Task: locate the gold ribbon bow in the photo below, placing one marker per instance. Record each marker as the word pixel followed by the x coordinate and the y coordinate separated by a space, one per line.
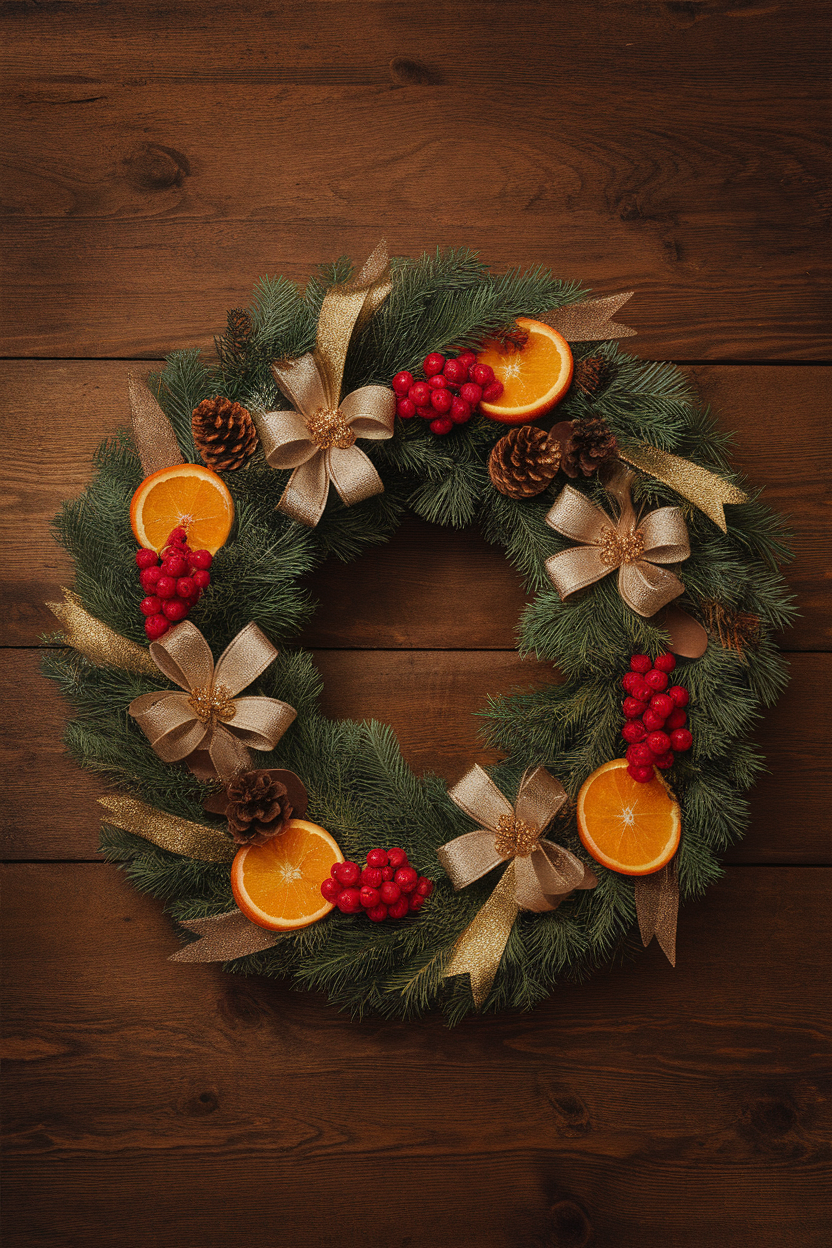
pixel 634 546
pixel 317 439
pixel 539 876
pixel 209 715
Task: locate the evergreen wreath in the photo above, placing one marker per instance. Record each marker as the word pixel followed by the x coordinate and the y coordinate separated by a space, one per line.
pixel 356 778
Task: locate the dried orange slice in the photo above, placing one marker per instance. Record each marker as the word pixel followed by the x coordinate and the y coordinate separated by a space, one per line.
pixel 535 377
pixel 629 827
pixel 278 885
pixel 185 496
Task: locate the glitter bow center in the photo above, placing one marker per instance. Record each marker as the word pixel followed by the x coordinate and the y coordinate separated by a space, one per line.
pixel 618 548
pixel 328 428
pixel 212 704
pixel 514 837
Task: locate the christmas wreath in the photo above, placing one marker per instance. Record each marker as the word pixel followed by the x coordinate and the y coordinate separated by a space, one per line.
pixel 288 844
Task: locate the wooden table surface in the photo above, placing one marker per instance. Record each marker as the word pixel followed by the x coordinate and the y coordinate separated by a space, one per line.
pixel 158 160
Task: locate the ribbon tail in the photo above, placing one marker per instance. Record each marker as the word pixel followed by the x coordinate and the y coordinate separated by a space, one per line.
pixel 304 498
pixel 343 307
pixel 646 588
pixel 98 642
pixel 706 490
pixel 228 754
pixel 178 836
pixel 589 321
pixel 353 476
pixel 223 938
pixel 657 908
pixel 155 440
pixel 479 949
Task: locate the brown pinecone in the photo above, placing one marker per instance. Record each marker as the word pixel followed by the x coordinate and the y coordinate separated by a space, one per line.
pixel 224 433
pixel 592 375
pixel 590 443
pixel 258 807
pixel 524 462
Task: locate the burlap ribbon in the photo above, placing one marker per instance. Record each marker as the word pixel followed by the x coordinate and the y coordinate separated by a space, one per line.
pixel 177 835
pixel 224 937
pixel 209 716
pixel 97 641
pixel 153 433
pixel 657 908
pixel 635 547
pixel 704 489
pixel 591 319
pixel 539 876
pixel 317 439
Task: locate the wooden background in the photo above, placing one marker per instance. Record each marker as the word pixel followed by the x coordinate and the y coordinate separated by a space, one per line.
pixel 158 159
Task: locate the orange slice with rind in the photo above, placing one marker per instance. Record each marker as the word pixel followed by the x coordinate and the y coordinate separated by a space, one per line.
pixel 278 885
pixel 535 376
pixel 184 496
pixel 629 827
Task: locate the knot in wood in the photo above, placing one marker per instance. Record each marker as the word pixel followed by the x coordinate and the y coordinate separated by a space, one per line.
pixel 514 837
pixel 212 704
pixel 328 428
pixel 618 548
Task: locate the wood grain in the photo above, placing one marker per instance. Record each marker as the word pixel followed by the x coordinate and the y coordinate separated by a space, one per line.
pixel 428 587
pixel 149 1103
pixel 430 698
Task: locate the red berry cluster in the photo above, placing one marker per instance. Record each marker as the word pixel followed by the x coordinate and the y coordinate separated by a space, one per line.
pixel 387 888
pixel 173 584
pixel 450 393
pixel 655 729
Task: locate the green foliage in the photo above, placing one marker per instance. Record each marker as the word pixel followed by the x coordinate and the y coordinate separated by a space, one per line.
pixel 360 788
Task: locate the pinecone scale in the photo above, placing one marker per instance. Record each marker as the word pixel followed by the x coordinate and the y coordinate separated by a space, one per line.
pixel 587 446
pixel 524 462
pixel 224 433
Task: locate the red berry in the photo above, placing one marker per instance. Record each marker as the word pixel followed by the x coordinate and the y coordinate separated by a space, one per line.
pixel 396 857
pixel 419 393
pixel 175 609
pixel 425 886
pixel 398 909
pixel 330 889
pixel 681 740
pixel 652 720
pixel 402 382
pixel 371 877
pixel 482 374
pixel 156 626
pixel 492 391
pixel 676 719
pixel 427 413
pixel 640 663
pixel 441 426
pixel 174 566
pixel 349 873
pixel 405 408
pixel 641 690
pixel 151 605
pixel 416 901
pixel 165 586
pixel 377 858
pixel 659 742
pixel 456 372
pixel 633 709
pixel 433 363
pixel 460 412
pixel 633 731
pixel 390 893
pixel 178 535
pixel 201 559
pixel 378 914
pixel 665 663
pixel 471 393
pixel 438 382
pixel 441 401
pixel 185 587
pixel 387 873
pixel 349 900
pixel 201 579
pixel 657 680
pixel 642 774
pixel 630 682
pixel 468 358
pixel 146 558
pixel 333 870
pixel 149 577
pixel 664 761
pixel 680 696
pixel 369 897
pixel 661 704
pixel 406 878
pixel 640 755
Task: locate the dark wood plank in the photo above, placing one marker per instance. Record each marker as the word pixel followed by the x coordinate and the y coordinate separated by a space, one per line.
pixel 430 699
pixel 428 587
pixel 150 1103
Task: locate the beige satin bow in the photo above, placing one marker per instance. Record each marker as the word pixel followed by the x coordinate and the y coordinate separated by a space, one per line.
pixel 539 876
pixel 633 546
pixel 317 439
pixel 209 715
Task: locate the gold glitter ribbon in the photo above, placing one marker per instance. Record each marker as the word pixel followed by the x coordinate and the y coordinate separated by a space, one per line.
pixel 704 489
pixel 317 439
pixel 634 547
pixel 155 440
pixel 180 836
pixel 590 321
pixel 539 876
pixel 224 937
pixel 657 908
pixel 209 715
pixel 98 642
